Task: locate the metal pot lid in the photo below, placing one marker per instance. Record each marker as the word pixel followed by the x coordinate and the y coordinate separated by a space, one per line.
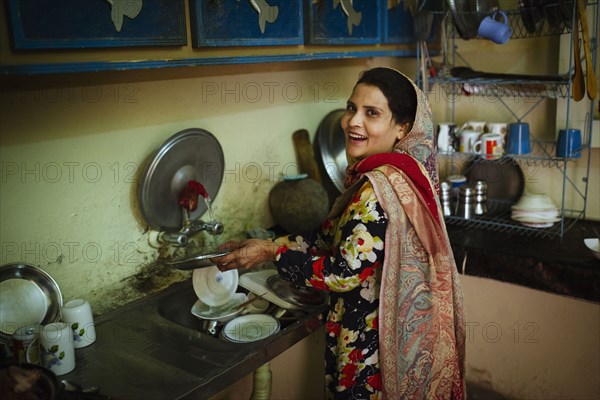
pixel 303 297
pixel 192 154
pixel 28 295
pixel 332 145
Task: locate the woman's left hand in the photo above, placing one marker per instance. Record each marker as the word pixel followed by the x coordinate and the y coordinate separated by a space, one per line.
pixel 246 254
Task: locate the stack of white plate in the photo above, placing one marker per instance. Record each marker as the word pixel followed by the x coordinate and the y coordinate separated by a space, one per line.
pixel 535 211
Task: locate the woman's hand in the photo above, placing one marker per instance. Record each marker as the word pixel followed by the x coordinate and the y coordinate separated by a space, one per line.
pixel 246 254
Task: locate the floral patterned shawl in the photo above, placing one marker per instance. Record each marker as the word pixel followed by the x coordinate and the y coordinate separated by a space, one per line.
pixel 421 319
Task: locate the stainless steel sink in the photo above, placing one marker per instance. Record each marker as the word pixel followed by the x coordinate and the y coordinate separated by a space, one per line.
pixel 175 308
pixel 162 350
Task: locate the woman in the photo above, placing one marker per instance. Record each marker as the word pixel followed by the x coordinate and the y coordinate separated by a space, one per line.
pixel 395 327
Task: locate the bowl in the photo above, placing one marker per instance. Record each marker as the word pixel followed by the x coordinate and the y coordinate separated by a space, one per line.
pixel 537 202
pixel 594 245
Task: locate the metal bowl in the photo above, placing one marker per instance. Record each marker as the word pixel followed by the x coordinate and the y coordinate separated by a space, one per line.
pixel 28 295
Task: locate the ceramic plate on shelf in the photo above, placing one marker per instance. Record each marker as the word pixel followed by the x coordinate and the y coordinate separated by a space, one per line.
pixel 214 287
pixel 250 328
pixel 537 224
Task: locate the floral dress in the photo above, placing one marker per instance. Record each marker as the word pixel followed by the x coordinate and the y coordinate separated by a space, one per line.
pixel 345 257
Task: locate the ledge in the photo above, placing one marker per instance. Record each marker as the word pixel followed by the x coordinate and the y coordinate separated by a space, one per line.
pixel 96 66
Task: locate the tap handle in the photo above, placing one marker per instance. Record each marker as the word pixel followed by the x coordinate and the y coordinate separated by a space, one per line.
pixel 216 228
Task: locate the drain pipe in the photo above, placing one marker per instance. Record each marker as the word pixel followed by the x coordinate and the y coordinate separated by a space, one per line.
pixel 261 389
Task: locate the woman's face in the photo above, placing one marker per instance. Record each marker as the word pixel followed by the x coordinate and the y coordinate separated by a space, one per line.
pixel 368 124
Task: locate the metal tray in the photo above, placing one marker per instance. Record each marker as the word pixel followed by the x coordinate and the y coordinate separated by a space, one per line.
pixel 28 295
pixel 332 147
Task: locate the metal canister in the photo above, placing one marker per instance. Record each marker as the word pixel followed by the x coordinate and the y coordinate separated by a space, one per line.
pixel 466 202
pixel 456 182
pixel 446 198
pixel 480 198
pixel 26 344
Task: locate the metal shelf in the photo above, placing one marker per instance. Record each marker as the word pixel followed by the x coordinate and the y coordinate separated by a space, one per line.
pixel 498 219
pixel 502 88
pixel 543 153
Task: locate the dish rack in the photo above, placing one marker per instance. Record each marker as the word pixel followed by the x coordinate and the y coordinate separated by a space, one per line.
pixel 535 91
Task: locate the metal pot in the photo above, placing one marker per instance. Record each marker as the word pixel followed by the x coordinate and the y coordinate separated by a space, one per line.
pixel 302 297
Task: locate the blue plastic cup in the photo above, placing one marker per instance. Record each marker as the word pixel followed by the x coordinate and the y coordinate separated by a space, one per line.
pixel 568 144
pixel 518 141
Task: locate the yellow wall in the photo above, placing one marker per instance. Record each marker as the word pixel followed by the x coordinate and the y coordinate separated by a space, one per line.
pixel 72 146
pixel 528 344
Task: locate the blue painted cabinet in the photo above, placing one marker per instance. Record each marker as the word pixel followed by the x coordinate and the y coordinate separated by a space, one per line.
pixel 65 24
pixel 341 22
pixel 246 22
pixel 398 24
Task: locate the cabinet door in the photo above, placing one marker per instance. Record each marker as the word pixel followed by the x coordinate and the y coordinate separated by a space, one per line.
pixel 344 21
pixel 56 24
pixel 246 22
pixel 398 24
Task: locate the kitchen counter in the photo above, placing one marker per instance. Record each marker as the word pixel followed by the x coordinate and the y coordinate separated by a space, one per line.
pixel 154 348
pixel 565 267
pixel 140 353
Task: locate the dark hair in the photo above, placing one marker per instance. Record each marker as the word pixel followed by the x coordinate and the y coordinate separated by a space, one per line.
pixel 399 91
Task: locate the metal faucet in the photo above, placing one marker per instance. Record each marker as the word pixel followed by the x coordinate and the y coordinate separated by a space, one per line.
pixel 190 227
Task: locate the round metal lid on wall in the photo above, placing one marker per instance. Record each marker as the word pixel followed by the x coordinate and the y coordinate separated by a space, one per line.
pixel 192 154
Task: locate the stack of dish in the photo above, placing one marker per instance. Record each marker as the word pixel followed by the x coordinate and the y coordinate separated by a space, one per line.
pixel 217 297
pixel 535 211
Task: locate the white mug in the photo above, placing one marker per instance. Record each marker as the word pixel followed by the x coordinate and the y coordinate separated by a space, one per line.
pixel 56 345
pixel 446 136
pixel 489 146
pixel 78 314
pixel 500 128
pixel 478 126
pixel 467 141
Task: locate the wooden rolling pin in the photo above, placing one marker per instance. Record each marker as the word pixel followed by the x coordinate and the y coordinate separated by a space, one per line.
pixel 305 155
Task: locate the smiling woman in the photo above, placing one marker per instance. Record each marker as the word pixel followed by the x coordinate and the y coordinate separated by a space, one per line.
pixel 382 254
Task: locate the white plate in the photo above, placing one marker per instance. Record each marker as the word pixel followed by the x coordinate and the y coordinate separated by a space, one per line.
pixel 533 220
pixel 221 313
pixel 250 328
pixel 537 224
pixel 214 287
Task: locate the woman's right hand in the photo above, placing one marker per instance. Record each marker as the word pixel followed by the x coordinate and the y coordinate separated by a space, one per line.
pixel 246 254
